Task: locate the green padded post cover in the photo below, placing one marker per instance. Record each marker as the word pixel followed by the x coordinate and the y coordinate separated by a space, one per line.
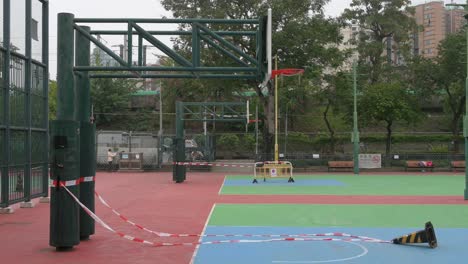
pixel 87 169
pixel 65 158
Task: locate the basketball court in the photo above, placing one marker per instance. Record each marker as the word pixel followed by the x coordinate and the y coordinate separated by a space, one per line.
pixel 229 206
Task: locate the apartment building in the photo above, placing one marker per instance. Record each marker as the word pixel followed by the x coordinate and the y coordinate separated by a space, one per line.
pixel 437 22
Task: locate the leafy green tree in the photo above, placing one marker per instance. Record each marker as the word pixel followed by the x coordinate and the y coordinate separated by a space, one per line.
pixel 52 99
pixel 445 77
pixel 111 97
pixel 388 103
pixel 337 99
pixel 300 32
pixel 379 21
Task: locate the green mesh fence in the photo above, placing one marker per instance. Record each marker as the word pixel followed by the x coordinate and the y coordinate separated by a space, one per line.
pixel 38 100
pixel 23 133
pixel 17 97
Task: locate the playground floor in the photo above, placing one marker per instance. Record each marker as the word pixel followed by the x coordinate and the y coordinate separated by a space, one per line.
pixel 377 205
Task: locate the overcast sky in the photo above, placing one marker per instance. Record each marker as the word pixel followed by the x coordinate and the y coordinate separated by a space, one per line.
pixel 137 9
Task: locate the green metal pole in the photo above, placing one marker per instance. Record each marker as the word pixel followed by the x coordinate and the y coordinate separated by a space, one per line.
pixel 87 135
pixel 45 79
pixel 195 45
pixel 465 123
pixel 65 154
pixel 140 51
pixel 276 111
pixel 28 77
pixel 355 124
pixel 6 104
pixel 179 172
pixel 130 44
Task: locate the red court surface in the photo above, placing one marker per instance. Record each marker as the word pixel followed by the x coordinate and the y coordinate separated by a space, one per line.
pixel 154 201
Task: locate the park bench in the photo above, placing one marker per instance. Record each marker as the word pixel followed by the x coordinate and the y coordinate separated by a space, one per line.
pixel 417 164
pixel 457 164
pixel 340 165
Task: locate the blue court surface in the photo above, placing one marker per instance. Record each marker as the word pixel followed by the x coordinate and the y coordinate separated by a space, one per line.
pixel 283 182
pixel 453 247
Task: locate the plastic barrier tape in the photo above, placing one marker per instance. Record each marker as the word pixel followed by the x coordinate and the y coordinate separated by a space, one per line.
pixel 163 234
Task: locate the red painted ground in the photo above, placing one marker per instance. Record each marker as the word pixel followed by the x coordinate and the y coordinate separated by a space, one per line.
pixel 154 201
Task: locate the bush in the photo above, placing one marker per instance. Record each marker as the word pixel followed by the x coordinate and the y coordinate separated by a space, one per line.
pixel 229 142
pixel 248 142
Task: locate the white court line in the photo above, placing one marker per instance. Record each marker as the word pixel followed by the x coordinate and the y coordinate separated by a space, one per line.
pixel 222 185
pixel 364 252
pixel 203 232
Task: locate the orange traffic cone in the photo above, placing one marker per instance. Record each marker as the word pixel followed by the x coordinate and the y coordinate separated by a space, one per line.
pixel 424 236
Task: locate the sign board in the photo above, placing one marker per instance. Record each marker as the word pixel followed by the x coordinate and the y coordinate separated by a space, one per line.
pixel 273 172
pixel 370 161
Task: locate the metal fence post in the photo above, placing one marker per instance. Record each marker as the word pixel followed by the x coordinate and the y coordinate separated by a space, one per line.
pixel 27 88
pixel 6 98
pixel 45 61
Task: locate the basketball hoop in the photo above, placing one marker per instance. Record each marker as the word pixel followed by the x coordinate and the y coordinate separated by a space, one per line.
pixel 286 72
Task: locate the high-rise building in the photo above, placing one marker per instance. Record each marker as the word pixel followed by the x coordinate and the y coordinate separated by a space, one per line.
pixel 437 22
pixel 455 19
pixel 432 17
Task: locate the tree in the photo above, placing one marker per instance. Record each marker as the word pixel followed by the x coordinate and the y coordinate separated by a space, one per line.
pixel 52 99
pixel 111 97
pixel 445 78
pixel 388 103
pixel 380 21
pixel 337 98
pixel 300 31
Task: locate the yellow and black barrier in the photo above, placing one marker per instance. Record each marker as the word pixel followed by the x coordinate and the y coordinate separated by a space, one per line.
pixel 273 169
pixel 424 236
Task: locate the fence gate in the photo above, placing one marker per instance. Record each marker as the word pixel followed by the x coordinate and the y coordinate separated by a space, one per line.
pixel 23 101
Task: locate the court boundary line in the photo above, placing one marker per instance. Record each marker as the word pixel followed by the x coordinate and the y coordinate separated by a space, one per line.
pixel 192 260
pixel 222 185
pixel 364 252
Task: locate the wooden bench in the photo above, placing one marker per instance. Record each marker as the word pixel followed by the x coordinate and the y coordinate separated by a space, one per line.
pixel 457 164
pixel 340 165
pixel 416 164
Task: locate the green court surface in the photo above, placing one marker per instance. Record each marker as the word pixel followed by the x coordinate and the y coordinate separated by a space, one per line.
pixel 404 185
pixel 293 215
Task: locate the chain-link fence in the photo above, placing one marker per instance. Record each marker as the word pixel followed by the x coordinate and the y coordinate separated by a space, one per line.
pixel 126 142
pixel 304 151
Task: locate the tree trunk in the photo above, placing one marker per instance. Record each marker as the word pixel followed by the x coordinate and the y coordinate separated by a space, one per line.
pixel 268 102
pixel 457 114
pixel 330 128
pixel 388 146
pixel 455 133
pixel 269 127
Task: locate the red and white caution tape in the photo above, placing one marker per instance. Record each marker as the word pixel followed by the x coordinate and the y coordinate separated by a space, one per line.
pixel 55 183
pixel 235 165
pixel 162 234
pixel 164 244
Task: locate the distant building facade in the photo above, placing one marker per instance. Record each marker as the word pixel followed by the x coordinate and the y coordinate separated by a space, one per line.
pixel 437 21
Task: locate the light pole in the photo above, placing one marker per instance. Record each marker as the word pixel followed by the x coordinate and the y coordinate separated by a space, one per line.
pixel 276 109
pixel 355 137
pixel 465 119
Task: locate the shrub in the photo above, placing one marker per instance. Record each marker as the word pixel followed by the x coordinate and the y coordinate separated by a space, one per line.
pixel 229 142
